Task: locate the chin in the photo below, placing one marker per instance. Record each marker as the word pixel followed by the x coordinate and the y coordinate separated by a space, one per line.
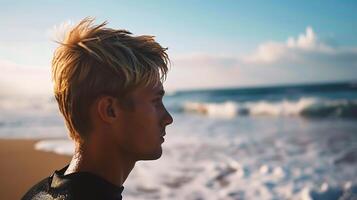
pixel 152 156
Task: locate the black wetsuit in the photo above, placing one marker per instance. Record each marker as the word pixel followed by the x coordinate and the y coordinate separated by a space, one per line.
pixel 75 186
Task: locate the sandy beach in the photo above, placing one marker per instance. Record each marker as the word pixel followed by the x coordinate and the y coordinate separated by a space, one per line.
pixel 22 166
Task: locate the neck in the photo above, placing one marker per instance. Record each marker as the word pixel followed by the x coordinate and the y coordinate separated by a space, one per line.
pixel 103 161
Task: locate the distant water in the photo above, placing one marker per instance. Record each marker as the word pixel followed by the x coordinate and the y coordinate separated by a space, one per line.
pixel 286 142
pixel 338 100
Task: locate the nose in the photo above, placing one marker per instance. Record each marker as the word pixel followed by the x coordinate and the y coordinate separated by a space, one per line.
pixel 167 118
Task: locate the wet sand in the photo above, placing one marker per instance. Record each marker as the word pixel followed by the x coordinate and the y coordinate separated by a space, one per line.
pixel 22 166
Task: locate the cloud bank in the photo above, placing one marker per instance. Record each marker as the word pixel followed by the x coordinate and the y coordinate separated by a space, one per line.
pixel 300 59
pixel 306 47
pixel 19 80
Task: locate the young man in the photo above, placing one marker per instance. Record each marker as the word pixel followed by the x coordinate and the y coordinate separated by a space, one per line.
pixel 108 85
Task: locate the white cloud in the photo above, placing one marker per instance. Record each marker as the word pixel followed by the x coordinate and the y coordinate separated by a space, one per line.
pixel 267 53
pixel 202 71
pixel 24 80
pixel 306 47
pixel 304 58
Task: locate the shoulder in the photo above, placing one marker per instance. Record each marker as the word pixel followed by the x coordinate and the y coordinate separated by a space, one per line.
pixel 42 190
pixel 81 185
pixel 38 188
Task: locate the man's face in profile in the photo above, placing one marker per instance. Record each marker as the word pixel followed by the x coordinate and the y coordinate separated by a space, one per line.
pixel 144 125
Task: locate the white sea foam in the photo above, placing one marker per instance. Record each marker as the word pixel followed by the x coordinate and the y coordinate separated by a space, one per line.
pixel 226 109
pixel 59 146
pixel 231 109
pixel 214 158
pixel 199 164
pixel 280 108
pixel 303 106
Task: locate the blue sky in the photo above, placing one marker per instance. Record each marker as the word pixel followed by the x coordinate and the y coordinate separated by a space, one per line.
pixel 229 43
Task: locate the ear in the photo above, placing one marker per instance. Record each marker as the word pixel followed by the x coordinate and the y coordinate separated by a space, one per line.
pixel 107 108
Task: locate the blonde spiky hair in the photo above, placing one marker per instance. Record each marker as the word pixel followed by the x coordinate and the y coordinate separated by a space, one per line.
pixel 93 60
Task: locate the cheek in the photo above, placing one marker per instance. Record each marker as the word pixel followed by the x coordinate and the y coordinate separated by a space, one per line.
pixel 142 136
pixel 142 124
pixel 147 115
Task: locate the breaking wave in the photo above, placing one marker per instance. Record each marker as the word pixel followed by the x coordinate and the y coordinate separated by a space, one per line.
pixel 307 107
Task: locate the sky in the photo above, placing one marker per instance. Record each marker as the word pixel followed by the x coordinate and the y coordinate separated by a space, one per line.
pixel 212 44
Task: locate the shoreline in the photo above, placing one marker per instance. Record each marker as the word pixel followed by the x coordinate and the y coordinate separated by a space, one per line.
pixel 22 166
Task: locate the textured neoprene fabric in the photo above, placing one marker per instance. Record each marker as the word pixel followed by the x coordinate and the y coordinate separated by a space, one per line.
pixel 75 186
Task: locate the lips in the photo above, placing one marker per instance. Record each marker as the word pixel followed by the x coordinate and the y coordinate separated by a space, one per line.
pixel 163 133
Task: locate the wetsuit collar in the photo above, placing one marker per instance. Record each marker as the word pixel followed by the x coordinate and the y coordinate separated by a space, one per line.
pixel 58 180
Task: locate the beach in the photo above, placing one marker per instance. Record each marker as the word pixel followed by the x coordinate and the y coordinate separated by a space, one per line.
pixel 22 166
pixel 286 142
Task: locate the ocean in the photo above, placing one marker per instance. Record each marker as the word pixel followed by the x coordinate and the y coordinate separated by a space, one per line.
pixel 281 142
